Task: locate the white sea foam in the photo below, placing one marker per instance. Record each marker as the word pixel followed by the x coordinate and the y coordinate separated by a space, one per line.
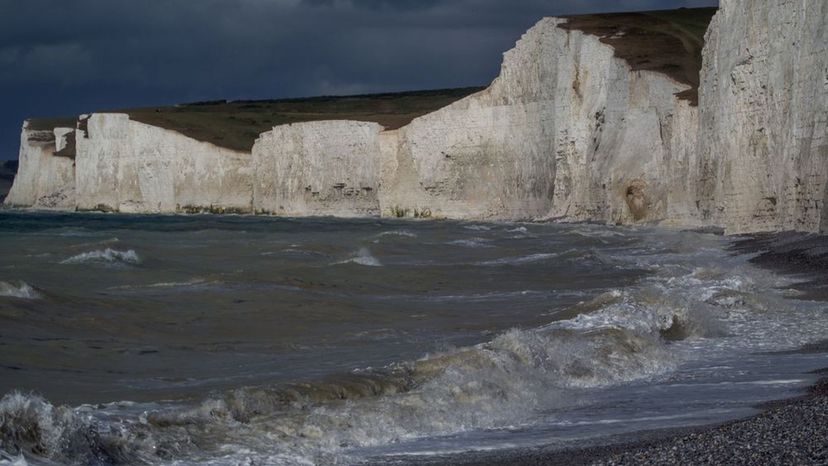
pixel 403 233
pixel 11 460
pixel 477 227
pixel 471 243
pixel 194 281
pixel 19 290
pixel 105 256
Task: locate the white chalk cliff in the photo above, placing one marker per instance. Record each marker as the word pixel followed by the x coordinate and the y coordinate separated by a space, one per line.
pixel 567 132
pixel 126 166
pixel 318 168
pixel 44 179
pixel 763 129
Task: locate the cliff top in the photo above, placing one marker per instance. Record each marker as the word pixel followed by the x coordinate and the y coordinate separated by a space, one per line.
pixel 49 124
pixel 236 124
pixel 668 42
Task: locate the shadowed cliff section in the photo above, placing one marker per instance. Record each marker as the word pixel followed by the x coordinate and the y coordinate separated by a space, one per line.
pixel 49 124
pixel 668 42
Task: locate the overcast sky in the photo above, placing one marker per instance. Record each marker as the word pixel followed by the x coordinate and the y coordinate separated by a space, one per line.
pixel 65 57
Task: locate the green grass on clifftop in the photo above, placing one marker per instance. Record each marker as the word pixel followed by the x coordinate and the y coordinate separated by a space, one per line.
pixel 668 42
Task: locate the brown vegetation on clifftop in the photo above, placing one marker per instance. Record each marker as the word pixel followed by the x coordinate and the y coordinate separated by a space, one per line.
pixel 668 42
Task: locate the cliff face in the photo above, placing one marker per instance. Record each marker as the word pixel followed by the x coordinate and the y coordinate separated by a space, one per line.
pixel 488 155
pixel 579 126
pixel 763 135
pixel 44 180
pixel 126 166
pixel 318 168
pixel 567 131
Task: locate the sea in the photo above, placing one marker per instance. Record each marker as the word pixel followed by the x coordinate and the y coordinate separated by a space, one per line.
pixel 248 340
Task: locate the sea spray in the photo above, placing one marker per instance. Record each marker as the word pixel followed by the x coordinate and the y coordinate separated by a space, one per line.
pixel 363 257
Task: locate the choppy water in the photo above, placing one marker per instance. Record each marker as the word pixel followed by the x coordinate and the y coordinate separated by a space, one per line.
pixel 243 340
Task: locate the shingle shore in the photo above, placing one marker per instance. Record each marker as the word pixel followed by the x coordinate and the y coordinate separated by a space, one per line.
pixel 793 432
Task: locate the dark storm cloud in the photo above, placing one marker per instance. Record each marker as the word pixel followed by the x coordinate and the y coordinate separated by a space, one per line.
pixel 378 4
pixel 61 57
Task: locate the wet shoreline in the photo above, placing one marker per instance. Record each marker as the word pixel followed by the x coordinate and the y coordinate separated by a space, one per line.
pixel 792 431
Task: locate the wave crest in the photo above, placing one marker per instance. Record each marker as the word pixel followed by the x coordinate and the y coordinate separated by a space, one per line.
pixel 363 257
pixel 487 385
pixel 20 290
pixel 105 256
pixel 403 233
pixel 31 426
pixel 520 260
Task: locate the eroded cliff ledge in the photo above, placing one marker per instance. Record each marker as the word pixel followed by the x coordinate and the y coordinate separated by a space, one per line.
pixel 614 118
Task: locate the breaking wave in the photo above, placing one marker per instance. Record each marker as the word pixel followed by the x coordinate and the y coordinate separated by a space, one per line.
pixel 363 257
pixel 105 256
pixel 31 426
pixel 20 290
pixel 617 337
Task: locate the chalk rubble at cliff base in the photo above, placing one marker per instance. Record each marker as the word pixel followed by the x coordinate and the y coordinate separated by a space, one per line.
pixel 568 132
